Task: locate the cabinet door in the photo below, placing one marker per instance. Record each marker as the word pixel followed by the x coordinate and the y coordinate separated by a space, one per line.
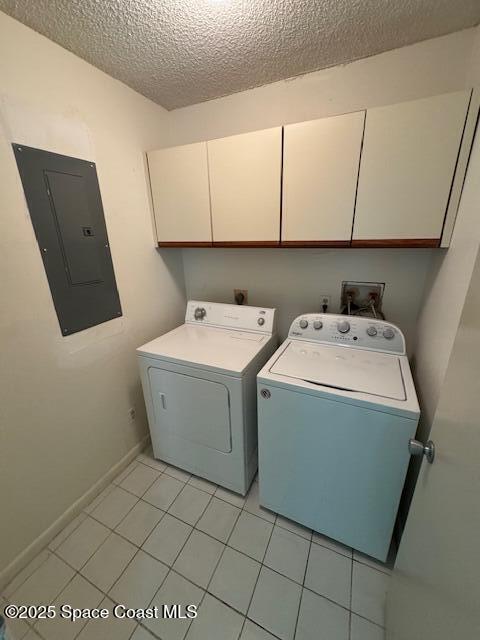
pixel 245 175
pixel 320 172
pixel 408 163
pixel 181 202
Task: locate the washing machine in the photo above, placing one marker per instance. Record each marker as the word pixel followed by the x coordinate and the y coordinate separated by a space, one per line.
pixel 199 384
pixel 336 409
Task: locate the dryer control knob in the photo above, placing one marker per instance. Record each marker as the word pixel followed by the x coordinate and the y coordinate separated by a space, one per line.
pixel 343 326
pixel 303 323
pixel 318 324
pixel 200 313
pixel 371 331
pixel 388 333
pixel 261 321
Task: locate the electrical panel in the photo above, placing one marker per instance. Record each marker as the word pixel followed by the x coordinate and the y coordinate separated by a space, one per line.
pixel 65 205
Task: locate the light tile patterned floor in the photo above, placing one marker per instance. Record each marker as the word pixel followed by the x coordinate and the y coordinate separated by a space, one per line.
pixel 158 535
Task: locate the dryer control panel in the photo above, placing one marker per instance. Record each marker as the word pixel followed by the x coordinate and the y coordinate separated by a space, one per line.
pixel 231 316
pixel 354 331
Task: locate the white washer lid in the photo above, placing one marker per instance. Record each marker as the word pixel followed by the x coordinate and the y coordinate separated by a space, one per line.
pixel 343 368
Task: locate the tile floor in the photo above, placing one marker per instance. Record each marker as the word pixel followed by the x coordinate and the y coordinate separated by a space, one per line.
pixel 158 535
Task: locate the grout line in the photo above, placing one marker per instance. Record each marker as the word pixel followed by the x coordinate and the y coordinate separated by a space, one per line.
pixel 193 527
pixel 78 569
pixel 298 612
pixel 205 590
pixel 151 463
pixel 387 571
pixel 141 622
pixel 138 465
pixel 359 615
pixel 303 585
pixel 126 567
pixel 122 535
pixel 103 500
pixel 9 598
pixel 99 498
pixel 117 525
pixel 77 517
pixel 325 546
pixel 77 573
pixel 306 564
pixel 290 579
pixel 177 556
pixel 258 577
pixel 134 464
pixel 35 621
pixel 225 544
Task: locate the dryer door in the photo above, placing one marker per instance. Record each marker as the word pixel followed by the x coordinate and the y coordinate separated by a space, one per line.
pixel 192 409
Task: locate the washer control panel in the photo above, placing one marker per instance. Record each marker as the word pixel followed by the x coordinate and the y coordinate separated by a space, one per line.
pixel 355 331
pixel 231 316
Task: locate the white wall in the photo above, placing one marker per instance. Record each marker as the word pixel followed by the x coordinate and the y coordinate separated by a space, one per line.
pixel 437 325
pixel 293 279
pixel 64 401
pixel 423 69
pixel 449 279
pixel 445 292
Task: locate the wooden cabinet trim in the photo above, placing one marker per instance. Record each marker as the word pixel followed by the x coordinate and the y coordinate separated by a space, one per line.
pixel 247 243
pixel 172 245
pixel 421 243
pixel 314 243
pixel 401 191
pixel 363 240
pixel 407 243
pixel 245 187
pixel 321 160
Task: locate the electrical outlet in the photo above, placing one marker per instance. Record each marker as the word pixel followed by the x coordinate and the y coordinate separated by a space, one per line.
pixel 132 413
pixel 324 301
pixel 240 296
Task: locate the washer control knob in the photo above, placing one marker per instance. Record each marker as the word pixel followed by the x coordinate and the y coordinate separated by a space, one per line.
pixel 303 323
pixel 318 324
pixel 343 326
pixel 199 313
pixel 388 333
pixel 371 331
pixel 261 321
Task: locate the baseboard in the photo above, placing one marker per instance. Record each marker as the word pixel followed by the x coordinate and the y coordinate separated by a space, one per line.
pixel 27 555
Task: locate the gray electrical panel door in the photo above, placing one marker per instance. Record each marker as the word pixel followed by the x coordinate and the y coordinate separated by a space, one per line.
pixel 65 206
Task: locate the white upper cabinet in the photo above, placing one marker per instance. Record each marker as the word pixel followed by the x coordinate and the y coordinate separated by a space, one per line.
pixel 180 193
pixel 408 163
pixel 388 176
pixel 245 177
pixel 320 171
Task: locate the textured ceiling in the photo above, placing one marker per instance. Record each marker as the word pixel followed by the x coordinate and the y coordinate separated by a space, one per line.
pixel 179 52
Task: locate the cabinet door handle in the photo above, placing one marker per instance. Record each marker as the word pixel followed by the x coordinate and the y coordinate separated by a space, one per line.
pixel 163 401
